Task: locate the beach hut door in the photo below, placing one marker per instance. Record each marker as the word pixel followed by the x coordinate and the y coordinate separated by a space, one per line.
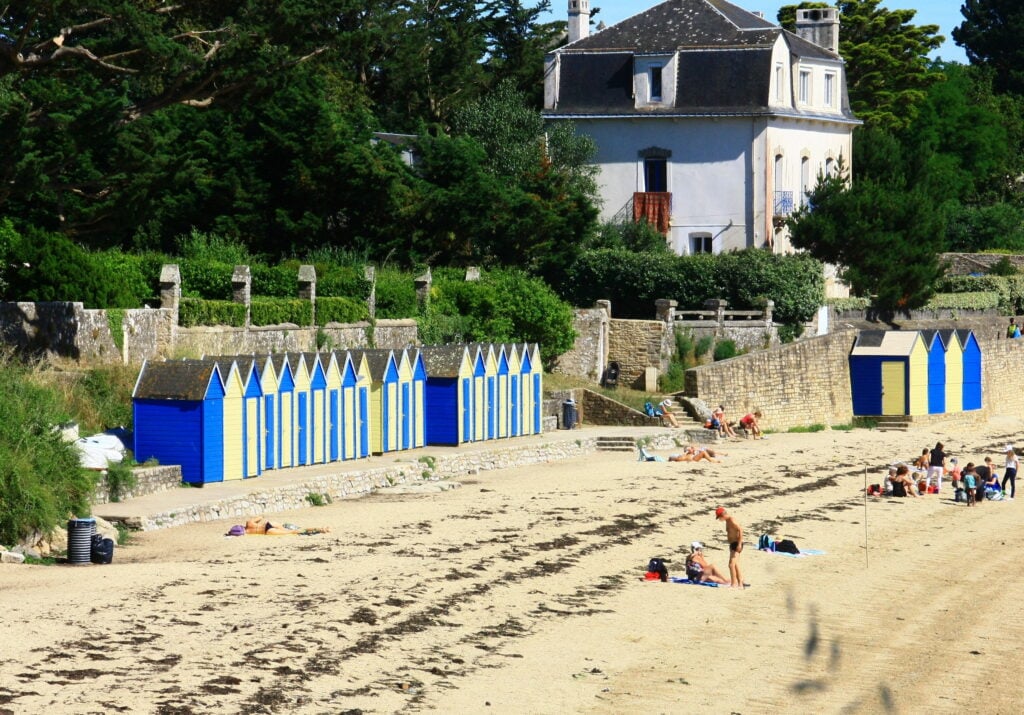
pixel 894 394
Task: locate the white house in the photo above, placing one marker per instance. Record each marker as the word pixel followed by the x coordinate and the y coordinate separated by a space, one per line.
pixel 710 121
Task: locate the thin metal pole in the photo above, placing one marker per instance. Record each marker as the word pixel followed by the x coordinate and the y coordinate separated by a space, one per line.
pixel 865 517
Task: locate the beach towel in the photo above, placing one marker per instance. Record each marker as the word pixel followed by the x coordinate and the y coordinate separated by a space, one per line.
pixel 804 552
pixel 680 579
pixel 644 457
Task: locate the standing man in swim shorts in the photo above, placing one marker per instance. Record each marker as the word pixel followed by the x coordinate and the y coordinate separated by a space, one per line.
pixel 734 532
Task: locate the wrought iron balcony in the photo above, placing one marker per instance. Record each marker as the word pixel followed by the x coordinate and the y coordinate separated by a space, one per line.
pixel 783 205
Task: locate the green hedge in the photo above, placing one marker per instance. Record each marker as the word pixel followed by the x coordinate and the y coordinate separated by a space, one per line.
pixel 196 311
pixel 274 311
pixel 964 301
pixel 841 305
pixel 341 310
pixel 1010 289
pixel 746 279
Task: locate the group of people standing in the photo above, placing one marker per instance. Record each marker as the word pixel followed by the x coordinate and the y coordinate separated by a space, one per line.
pixel 972 481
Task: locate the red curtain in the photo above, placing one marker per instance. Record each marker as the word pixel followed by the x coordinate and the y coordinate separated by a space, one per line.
pixel 656 207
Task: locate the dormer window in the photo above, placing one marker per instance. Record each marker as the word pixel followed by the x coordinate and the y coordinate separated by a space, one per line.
pixel 656 83
pixel 830 88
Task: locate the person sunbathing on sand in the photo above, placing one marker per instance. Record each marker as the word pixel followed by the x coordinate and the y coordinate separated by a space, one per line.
pixel 265 526
pixel 696 453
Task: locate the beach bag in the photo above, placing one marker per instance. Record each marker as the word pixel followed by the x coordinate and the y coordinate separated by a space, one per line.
pixel 765 543
pixel 993 495
pixel 101 550
pixel 236 530
pixel 658 566
pixel 649 410
pixel 786 546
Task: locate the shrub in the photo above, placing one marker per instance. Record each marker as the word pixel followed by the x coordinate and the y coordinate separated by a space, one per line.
pixel 195 311
pixel 275 311
pixel 341 310
pixel 275 281
pixel 210 280
pixel 1003 267
pixel 209 247
pixel 115 321
pixel 673 379
pixel 120 479
pixel 788 332
pixel 396 295
pixel 703 346
pixel 724 350
pixel 41 481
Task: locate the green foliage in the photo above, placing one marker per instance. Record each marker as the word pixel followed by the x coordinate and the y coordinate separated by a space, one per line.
pixel 637 236
pixel 41 481
pixel 212 248
pixel 315 499
pixel 504 306
pixel 341 310
pixel 280 281
pixel 396 294
pixel 634 281
pixel 276 311
pixel 703 346
pixel 990 33
pixel 724 350
pixel 195 311
pixel 788 332
pixel 673 379
pixel 1003 267
pixel 115 321
pixel 207 279
pixel 963 301
pixel 841 305
pixel 120 478
pixel 887 70
pixel 1009 289
pixel 884 239
pixel 802 429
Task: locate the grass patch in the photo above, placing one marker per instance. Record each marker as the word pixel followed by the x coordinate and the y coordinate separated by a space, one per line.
pixel 865 422
pixel 315 499
pixel 431 462
pixel 845 427
pixel 808 428
pixel 120 478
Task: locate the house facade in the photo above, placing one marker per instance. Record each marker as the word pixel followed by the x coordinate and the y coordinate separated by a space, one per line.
pixel 710 122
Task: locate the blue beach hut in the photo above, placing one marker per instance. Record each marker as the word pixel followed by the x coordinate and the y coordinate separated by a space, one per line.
pixel 889 373
pixel 972 369
pixel 263 371
pixel 178 410
pixel 449 394
pixel 286 428
pixel 954 370
pixel 303 415
pixel 365 416
pixel 383 400
pixel 318 419
pixel 418 404
pixel 536 391
pixel 936 348
pixel 503 385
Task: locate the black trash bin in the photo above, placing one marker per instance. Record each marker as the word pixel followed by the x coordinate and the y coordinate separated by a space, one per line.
pixel 569 414
pixel 80 533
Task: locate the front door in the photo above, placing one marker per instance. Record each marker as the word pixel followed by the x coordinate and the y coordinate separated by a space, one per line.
pixel 894 389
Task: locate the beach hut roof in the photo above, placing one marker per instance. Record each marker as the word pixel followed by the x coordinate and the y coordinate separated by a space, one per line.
pixel 186 380
pixel 895 343
pixel 376 360
pixel 443 360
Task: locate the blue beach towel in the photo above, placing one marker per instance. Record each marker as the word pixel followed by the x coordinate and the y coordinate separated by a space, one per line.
pixel 803 553
pixel 680 579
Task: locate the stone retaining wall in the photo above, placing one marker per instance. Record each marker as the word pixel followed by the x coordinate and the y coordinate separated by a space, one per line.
pixel 148 480
pixel 349 484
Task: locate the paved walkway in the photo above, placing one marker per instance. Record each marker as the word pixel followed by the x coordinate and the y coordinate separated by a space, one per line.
pixel 279 490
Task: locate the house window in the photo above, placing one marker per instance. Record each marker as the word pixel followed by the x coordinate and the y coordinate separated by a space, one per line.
pixel 805 86
pixel 780 77
pixel 830 86
pixel 805 180
pixel 700 243
pixel 655 174
pixel 656 83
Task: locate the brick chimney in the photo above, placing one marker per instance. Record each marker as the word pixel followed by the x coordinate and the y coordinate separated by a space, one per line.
pixel 819 25
pixel 579 20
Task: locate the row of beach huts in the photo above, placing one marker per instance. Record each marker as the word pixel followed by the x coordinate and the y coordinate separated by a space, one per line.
pixel 232 417
pixel 916 372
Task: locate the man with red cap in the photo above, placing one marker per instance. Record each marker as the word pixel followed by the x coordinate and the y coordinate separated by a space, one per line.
pixel 734 532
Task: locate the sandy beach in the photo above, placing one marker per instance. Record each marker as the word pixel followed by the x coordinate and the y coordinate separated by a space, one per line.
pixel 520 592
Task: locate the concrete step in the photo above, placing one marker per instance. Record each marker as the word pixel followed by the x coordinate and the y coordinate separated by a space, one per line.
pixel 615 444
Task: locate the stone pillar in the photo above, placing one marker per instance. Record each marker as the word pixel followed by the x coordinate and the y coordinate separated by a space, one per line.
pixel 473 273
pixel 423 283
pixel 769 307
pixel 241 290
pixel 666 310
pixel 370 274
pixel 605 305
pixel 718 305
pixel 307 288
pixel 170 286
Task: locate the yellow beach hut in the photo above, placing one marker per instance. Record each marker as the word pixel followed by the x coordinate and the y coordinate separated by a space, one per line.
pixel 954 370
pixel 515 391
pixel 234 422
pixel 383 400
pixel 285 411
pixel 318 425
pixel 303 412
pixel 263 369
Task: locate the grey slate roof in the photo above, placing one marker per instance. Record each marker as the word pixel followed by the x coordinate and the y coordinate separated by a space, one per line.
pixel 870 338
pixel 723 61
pixel 175 380
pixel 442 360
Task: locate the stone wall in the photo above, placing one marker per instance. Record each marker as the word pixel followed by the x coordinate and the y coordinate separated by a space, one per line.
pixel 961 264
pixel 148 480
pixel 589 355
pixel 798 384
pixel 1002 365
pixel 637 345
pixel 148 333
pixel 58 329
pixel 603 411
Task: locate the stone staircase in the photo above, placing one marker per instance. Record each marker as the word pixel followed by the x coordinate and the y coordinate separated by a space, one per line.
pixel 616 444
pixel 892 423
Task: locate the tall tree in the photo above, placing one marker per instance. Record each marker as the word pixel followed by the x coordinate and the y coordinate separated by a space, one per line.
pixel 884 238
pixel 991 34
pixel 887 67
pixel 517 44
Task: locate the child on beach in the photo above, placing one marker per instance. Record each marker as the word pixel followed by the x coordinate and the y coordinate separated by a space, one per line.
pixel 970 484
